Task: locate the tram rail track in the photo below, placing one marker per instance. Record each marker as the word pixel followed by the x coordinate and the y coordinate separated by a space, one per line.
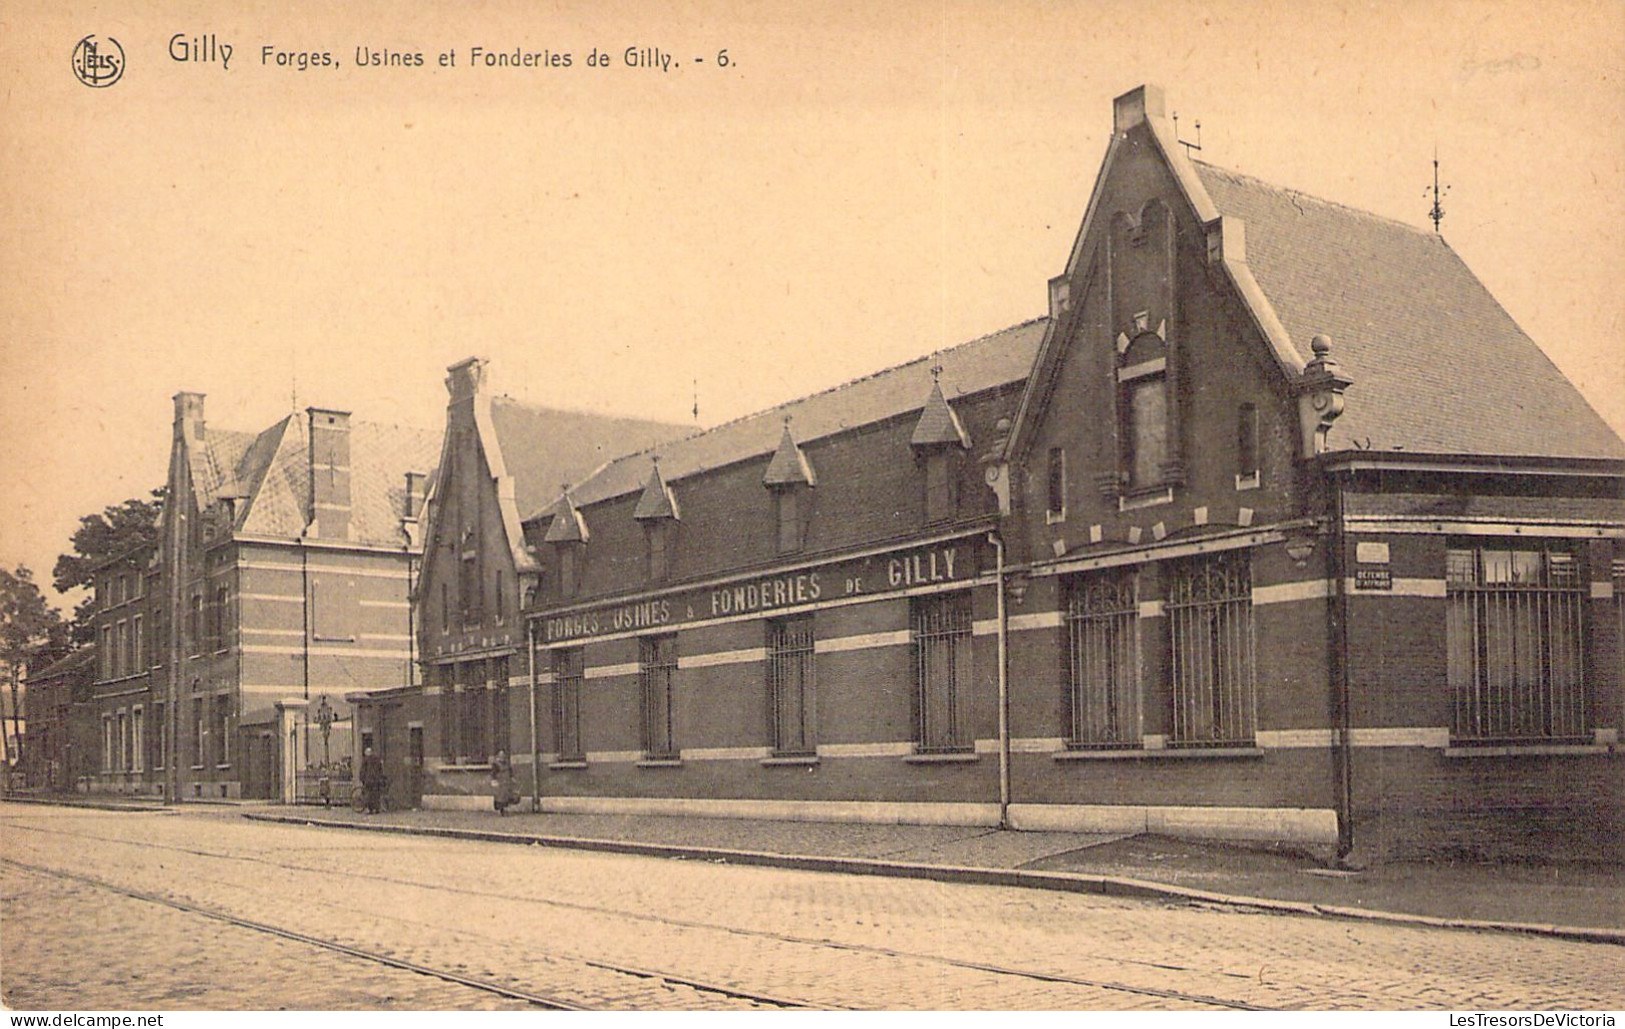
pixel 1038 976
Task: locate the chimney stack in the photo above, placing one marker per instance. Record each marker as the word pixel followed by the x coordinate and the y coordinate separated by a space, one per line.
pixel 189 416
pixel 329 473
pixel 415 487
pixel 465 379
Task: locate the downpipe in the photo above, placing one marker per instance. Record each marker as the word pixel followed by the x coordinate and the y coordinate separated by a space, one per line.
pixel 1004 683
pixel 535 744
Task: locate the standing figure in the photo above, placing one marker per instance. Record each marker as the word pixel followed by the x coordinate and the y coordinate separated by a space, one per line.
pixel 372 780
pixel 502 791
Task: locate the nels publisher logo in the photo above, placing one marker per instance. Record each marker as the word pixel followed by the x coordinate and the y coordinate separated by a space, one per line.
pixel 98 62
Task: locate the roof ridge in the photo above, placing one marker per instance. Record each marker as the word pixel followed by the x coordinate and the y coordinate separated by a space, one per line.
pixel 823 392
pixel 1290 191
pixel 552 409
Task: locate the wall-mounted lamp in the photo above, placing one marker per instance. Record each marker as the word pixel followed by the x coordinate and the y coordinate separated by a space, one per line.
pixel 1298 548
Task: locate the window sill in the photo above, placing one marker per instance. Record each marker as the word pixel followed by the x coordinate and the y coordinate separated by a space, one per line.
pixel 967 758
pixel 1536 750
pixel 1146 498
pixel 223 768
pixel 198 768
pixel 1101 754
pixel 661 762
pixel 567 766
pixel 791 760
pixel 468 767
pixel 1252 480
pixel 1207 752
pixel 317 638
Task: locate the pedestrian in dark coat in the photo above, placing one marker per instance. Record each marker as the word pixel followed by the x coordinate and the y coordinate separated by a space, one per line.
pixel 502 790
pixel 372 781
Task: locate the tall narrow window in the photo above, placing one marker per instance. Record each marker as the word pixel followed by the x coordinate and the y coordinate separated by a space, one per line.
pixel 474 718
pixel 1103 703
pixel 160 721
pixel 199 737
pixel 445 609
pixel 787 505
pixel 569 570
pixel 657 544
pixel 501 713
pixel 567 676
pixel 121 644
pixel 791 685
pixel 1147 430
pixel 939 493
pixel 1246 444
pixel 219 728
pixel 106 658
pixel 123 741
pixel 107 743
pixel 139 645
pixel 501 598
pixel 1516 643
pixel 657 668
pixel 222 611
pixel 442 679
pixel 1055 511
pixel 138 739
pixel 194 624
pixel 1210 622
pixel 941 631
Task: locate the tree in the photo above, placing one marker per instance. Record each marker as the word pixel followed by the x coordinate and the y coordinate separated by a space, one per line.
pixel 100 537
pixel 31 633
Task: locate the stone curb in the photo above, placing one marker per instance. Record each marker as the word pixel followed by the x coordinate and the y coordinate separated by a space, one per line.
pixel 1068 882
pixel 97 805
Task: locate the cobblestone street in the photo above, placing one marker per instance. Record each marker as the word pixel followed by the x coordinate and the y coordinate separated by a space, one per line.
pixel 611 931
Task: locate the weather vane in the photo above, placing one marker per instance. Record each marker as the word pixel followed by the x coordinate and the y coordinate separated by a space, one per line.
pixel 1436 213
pixel 1188 146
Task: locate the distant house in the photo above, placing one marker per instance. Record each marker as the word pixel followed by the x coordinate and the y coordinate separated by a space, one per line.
pixel 501 461
pixel 282 576
pixel 59 750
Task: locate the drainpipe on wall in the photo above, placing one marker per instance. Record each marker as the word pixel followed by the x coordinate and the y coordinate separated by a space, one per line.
pixel 1004 685
pixel 1340 679
pixel 535 744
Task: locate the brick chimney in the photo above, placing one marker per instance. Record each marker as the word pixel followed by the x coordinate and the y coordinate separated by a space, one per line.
pixel 465 378
pixel 329 473
pixel 189 417
pixel 416 483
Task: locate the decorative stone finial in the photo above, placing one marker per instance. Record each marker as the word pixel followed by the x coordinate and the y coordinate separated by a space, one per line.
pixel 1320 396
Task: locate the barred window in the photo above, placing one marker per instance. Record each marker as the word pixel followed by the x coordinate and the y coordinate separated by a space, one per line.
pixel 1210 623
pixel 474 714
pixel 1103 699
pixel 657 668
pixel 1515 635
pixel 941 631
pixel 440 677
pixel 568 673
pixel 501 737
pixel 791 684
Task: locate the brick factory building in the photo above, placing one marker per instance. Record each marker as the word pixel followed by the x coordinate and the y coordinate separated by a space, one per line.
pixel 1277 527
pixel 501 460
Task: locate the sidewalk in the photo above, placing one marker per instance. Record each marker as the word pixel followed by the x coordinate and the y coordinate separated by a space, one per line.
pixel 1571 900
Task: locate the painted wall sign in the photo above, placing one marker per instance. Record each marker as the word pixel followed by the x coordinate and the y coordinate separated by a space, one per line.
pixel 954 561
pixel 1374 577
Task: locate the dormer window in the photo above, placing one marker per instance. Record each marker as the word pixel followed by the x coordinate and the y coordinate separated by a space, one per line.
pixel 789 476
pixel 657 513
pixel 939 438
pixel 567 534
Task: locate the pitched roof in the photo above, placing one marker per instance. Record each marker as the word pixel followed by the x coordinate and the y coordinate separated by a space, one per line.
pixel 938 423
pixel 543 448
pixel 73 661
pixel 271 475
pixel 570 529
pixel 1438 366
pixel 789 466
pixel 656 501
pixel 995 360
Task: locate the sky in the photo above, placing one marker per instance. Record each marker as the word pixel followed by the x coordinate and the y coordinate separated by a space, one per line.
pixel 850 186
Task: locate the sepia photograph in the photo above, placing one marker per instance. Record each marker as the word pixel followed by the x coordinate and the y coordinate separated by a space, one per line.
pixel 938 506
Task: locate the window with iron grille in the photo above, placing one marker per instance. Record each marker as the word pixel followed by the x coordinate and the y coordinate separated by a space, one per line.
pixel 474 715
pixel 941 632
pixel 1515 635
pixel 440 677
pixel 1210 624
pixel 657 668
pixel 791 685
pixel 1103 698
pixel 568 673
pixel 501 736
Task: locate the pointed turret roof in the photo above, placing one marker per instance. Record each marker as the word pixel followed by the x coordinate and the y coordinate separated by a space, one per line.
pixel 938 423
pixel 567 526
pixel 657 500
pixel 789 466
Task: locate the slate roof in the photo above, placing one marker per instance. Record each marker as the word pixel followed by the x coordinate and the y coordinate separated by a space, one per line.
pixel 789 466
pixel 269 474
pixel 543 448
pixel 74 661
pixel 1438 366
pixel 994 360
